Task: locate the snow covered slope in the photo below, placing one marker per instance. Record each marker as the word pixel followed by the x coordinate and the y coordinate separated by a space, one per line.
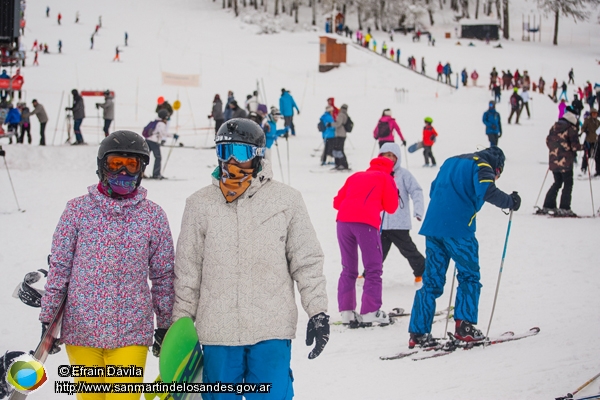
pixel 550 273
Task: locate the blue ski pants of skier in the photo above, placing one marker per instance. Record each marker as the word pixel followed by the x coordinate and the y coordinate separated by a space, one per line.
pixel 265 362
pixel 464 252
pixel 563 93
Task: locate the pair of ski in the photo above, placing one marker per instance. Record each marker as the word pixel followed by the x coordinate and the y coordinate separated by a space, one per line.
pixel 452 344
pixel 393 315
pixel 539 211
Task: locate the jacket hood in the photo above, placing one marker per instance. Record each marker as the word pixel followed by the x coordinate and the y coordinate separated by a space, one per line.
pixel 392 148
pixel 386 118
pixel 116 206
pixel 381 164
pixel 494 156
pixel 332 101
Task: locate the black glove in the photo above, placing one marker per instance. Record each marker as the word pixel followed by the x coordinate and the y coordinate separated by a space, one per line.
pixel 55 346
pixel 516 201
pixel 163 142
pixel 328 125
pixel 404 143
pixel 317 329
pixel 159 336
pixel 67 109
pixel 175 136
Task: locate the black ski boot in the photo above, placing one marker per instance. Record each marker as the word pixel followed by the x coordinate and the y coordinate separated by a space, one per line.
pixel 423 340
pixel 466 332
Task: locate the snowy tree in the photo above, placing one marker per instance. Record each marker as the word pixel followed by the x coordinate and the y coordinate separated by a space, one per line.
pixel 570 8
pixel 505 15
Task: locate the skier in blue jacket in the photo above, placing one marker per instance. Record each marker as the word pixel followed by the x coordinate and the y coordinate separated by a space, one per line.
pixel 271 131
pixel 287 105
pixel 13 119
pixel 493 125
pixel 328 134
pixel 458 192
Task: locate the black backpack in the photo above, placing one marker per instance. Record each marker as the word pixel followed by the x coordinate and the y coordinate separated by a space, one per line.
pixel 349 125
pixel 321 126
pixel 383 129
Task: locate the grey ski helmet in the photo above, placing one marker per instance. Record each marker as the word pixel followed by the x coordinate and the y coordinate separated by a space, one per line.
pixel 241 130
pixel 163 114
pixel 126 143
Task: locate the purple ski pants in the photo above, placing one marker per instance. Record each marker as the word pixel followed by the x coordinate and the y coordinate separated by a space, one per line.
pixel 351 236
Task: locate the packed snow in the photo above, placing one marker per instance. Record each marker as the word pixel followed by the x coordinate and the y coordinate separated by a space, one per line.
pixel 550 276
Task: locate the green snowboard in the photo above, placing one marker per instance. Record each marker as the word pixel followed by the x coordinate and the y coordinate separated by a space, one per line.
pixel 180 358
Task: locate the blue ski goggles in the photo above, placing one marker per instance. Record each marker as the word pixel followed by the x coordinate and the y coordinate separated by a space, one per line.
pixel 241 152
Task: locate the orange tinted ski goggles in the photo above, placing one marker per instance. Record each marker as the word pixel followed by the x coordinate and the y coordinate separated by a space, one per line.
pixel 116 163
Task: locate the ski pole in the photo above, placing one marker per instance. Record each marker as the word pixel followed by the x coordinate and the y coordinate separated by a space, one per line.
pixel 590 180
pixel 584 385
pixel 57 117
pixel 406 156
pixel 373 151
pixel 540 193
pixel 500 273
pixel 450 303
pixel 2 154
pixel 169 155
pixel 287 142
pixel 279 158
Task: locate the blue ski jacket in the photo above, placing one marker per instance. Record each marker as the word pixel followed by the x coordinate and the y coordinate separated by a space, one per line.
pixel 492 122
pixel 272 133
pixel 458 192
pixel 329 133
pixel 287 105
pixel 13 116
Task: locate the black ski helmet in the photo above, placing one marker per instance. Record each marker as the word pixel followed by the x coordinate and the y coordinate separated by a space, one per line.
pixel 241 130
pixel 126 143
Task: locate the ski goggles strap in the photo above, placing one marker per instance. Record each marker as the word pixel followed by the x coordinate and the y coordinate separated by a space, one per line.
pixel 241 152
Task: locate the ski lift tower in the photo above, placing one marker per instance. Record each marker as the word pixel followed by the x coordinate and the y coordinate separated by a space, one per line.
pixel 529 30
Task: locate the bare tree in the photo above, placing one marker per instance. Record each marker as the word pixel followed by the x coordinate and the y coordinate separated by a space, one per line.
pixel 430 9
pixel 578 9
pixel 464 4
pixel 276 7
pixel 477 9
pixel 505 17
pixel 498 8
pixel 235 7
pixel 314 12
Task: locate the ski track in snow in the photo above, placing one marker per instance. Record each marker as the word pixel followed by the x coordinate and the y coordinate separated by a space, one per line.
pixel 550 273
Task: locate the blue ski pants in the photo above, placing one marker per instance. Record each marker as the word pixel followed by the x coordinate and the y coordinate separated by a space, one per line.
pixel 465 253
pixel 266 362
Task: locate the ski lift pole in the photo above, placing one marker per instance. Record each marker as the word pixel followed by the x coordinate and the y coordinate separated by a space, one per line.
pixel 58 117
pixel 287 142
pixel 279 158
pixel 406 156
pixel 176 107
pixel 590 180
pixel 543 182
pixel 3 155
pixel 500 273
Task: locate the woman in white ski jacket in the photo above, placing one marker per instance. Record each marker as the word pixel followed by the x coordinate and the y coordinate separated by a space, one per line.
pixel 395 227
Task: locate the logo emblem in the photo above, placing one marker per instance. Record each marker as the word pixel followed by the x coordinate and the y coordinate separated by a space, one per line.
pixel 26 374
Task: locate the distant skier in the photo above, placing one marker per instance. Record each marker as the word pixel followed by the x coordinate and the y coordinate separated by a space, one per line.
pixel 272 133
pixel 464 76
pixel 460 189
pixel 25 123
pixel 554 90
pixel 541 85
pixel 227 112
pixel 398 56
pixel 590 145
pixel 571 77
pixel 429 137
pixel 77 17
pixel 563 145
pixel 493 124
pixel 493 78
pixel 13 120
pixel 341 163
pixel 562 108
pixel 577 106
pixel 287 106
pixel 474 77
pixel 423 65
pixel 40 113
pixel 497 93
pixel 99 251
pixel 217 112
pixel 158 135
pixel 108 111
pixel 525 96
pixel 395 227
pixel 335 111
pixel 328 133
pixel 516 102
pixel 563 92
pixel 59 17
pixel 448 73
pixel 60 47
pixel 78 110
pixel 384 131
pixel 47 12
pixel 384 48
pixel 35 58
pixel 237 111
pixel 252 102
pixel 126 38
pixel 117 52
pixel 91 42
pixel 165 105
pixel 440 70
